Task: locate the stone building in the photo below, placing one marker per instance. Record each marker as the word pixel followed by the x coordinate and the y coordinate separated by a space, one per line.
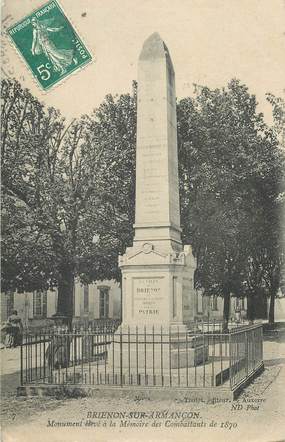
pixel 100 300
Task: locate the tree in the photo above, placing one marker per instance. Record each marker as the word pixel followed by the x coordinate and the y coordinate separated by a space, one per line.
pixel 27 133
pixel 275 270
pixel 61 185
pixel 278 111
pixel 228 168
pixel 111 137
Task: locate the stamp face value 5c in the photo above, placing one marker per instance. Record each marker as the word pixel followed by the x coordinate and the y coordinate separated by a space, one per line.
pixel 49 44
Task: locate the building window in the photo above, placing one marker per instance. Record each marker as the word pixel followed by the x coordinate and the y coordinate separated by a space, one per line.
pixel 103 302
pixel 174 306
pixel 199 302
pixel 44 304
pixel 10 303
pixel 214 302
pixel 239 304
pixel 40 304
pixel 86 299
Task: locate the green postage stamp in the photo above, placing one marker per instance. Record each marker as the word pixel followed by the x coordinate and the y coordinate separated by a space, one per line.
pixel 49 44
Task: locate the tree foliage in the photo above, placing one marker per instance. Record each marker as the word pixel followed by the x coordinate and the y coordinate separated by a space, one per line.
pixel 61 185
pixel 230 166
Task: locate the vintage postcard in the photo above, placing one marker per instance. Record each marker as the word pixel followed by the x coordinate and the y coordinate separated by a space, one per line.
pixel 142 220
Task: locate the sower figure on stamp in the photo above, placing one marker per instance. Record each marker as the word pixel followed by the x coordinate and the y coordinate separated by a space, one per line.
pixel 42 44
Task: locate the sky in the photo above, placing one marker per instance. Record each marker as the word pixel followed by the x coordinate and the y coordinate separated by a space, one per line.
pixel 210 42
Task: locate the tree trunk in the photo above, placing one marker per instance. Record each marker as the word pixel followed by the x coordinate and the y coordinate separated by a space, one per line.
pixel 250 307
pixel 65 295
pixel 226 312
pixel 271 318
pixel 121 299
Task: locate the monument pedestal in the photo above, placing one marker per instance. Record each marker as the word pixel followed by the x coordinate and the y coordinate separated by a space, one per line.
pixel 157 286
pixel 158 301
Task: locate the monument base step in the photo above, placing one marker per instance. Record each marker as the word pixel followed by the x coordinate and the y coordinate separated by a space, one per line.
pixel 156 356
pixel 210 374
pixel 174 335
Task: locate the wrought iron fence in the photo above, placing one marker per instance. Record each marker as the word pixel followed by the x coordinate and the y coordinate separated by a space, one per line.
pixel 77 324
pixel 150 357
pixel 103 325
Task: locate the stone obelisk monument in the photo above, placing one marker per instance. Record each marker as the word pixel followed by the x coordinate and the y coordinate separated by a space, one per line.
pixel 157 197
pixel 157 272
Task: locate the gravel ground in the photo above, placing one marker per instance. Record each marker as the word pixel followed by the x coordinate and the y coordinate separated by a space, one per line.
pixel 259 414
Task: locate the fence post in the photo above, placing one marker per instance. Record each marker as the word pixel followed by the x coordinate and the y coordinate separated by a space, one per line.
pixel 213 382
pixel 187 357
pixel 153 358
pixel 121 358
pixel 161 355
pixel 44 357
pixel 21 362
pixel 137 355
pixel 230 354
pixel 178 339
pixel 195 365
pixel 113 355
pixel 169 346
pixel 105 354
pixel 204 359
pixel 129 354
pixel 90 351
pixel 261 341
pixel 246 351
pixel 145 373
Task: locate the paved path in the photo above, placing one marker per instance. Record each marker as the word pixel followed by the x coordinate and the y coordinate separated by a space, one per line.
pixel 10 370
pixel 10 360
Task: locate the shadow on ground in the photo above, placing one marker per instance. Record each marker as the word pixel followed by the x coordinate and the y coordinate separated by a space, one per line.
pixel 274 336
pixel 272 362
pixel 9 383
